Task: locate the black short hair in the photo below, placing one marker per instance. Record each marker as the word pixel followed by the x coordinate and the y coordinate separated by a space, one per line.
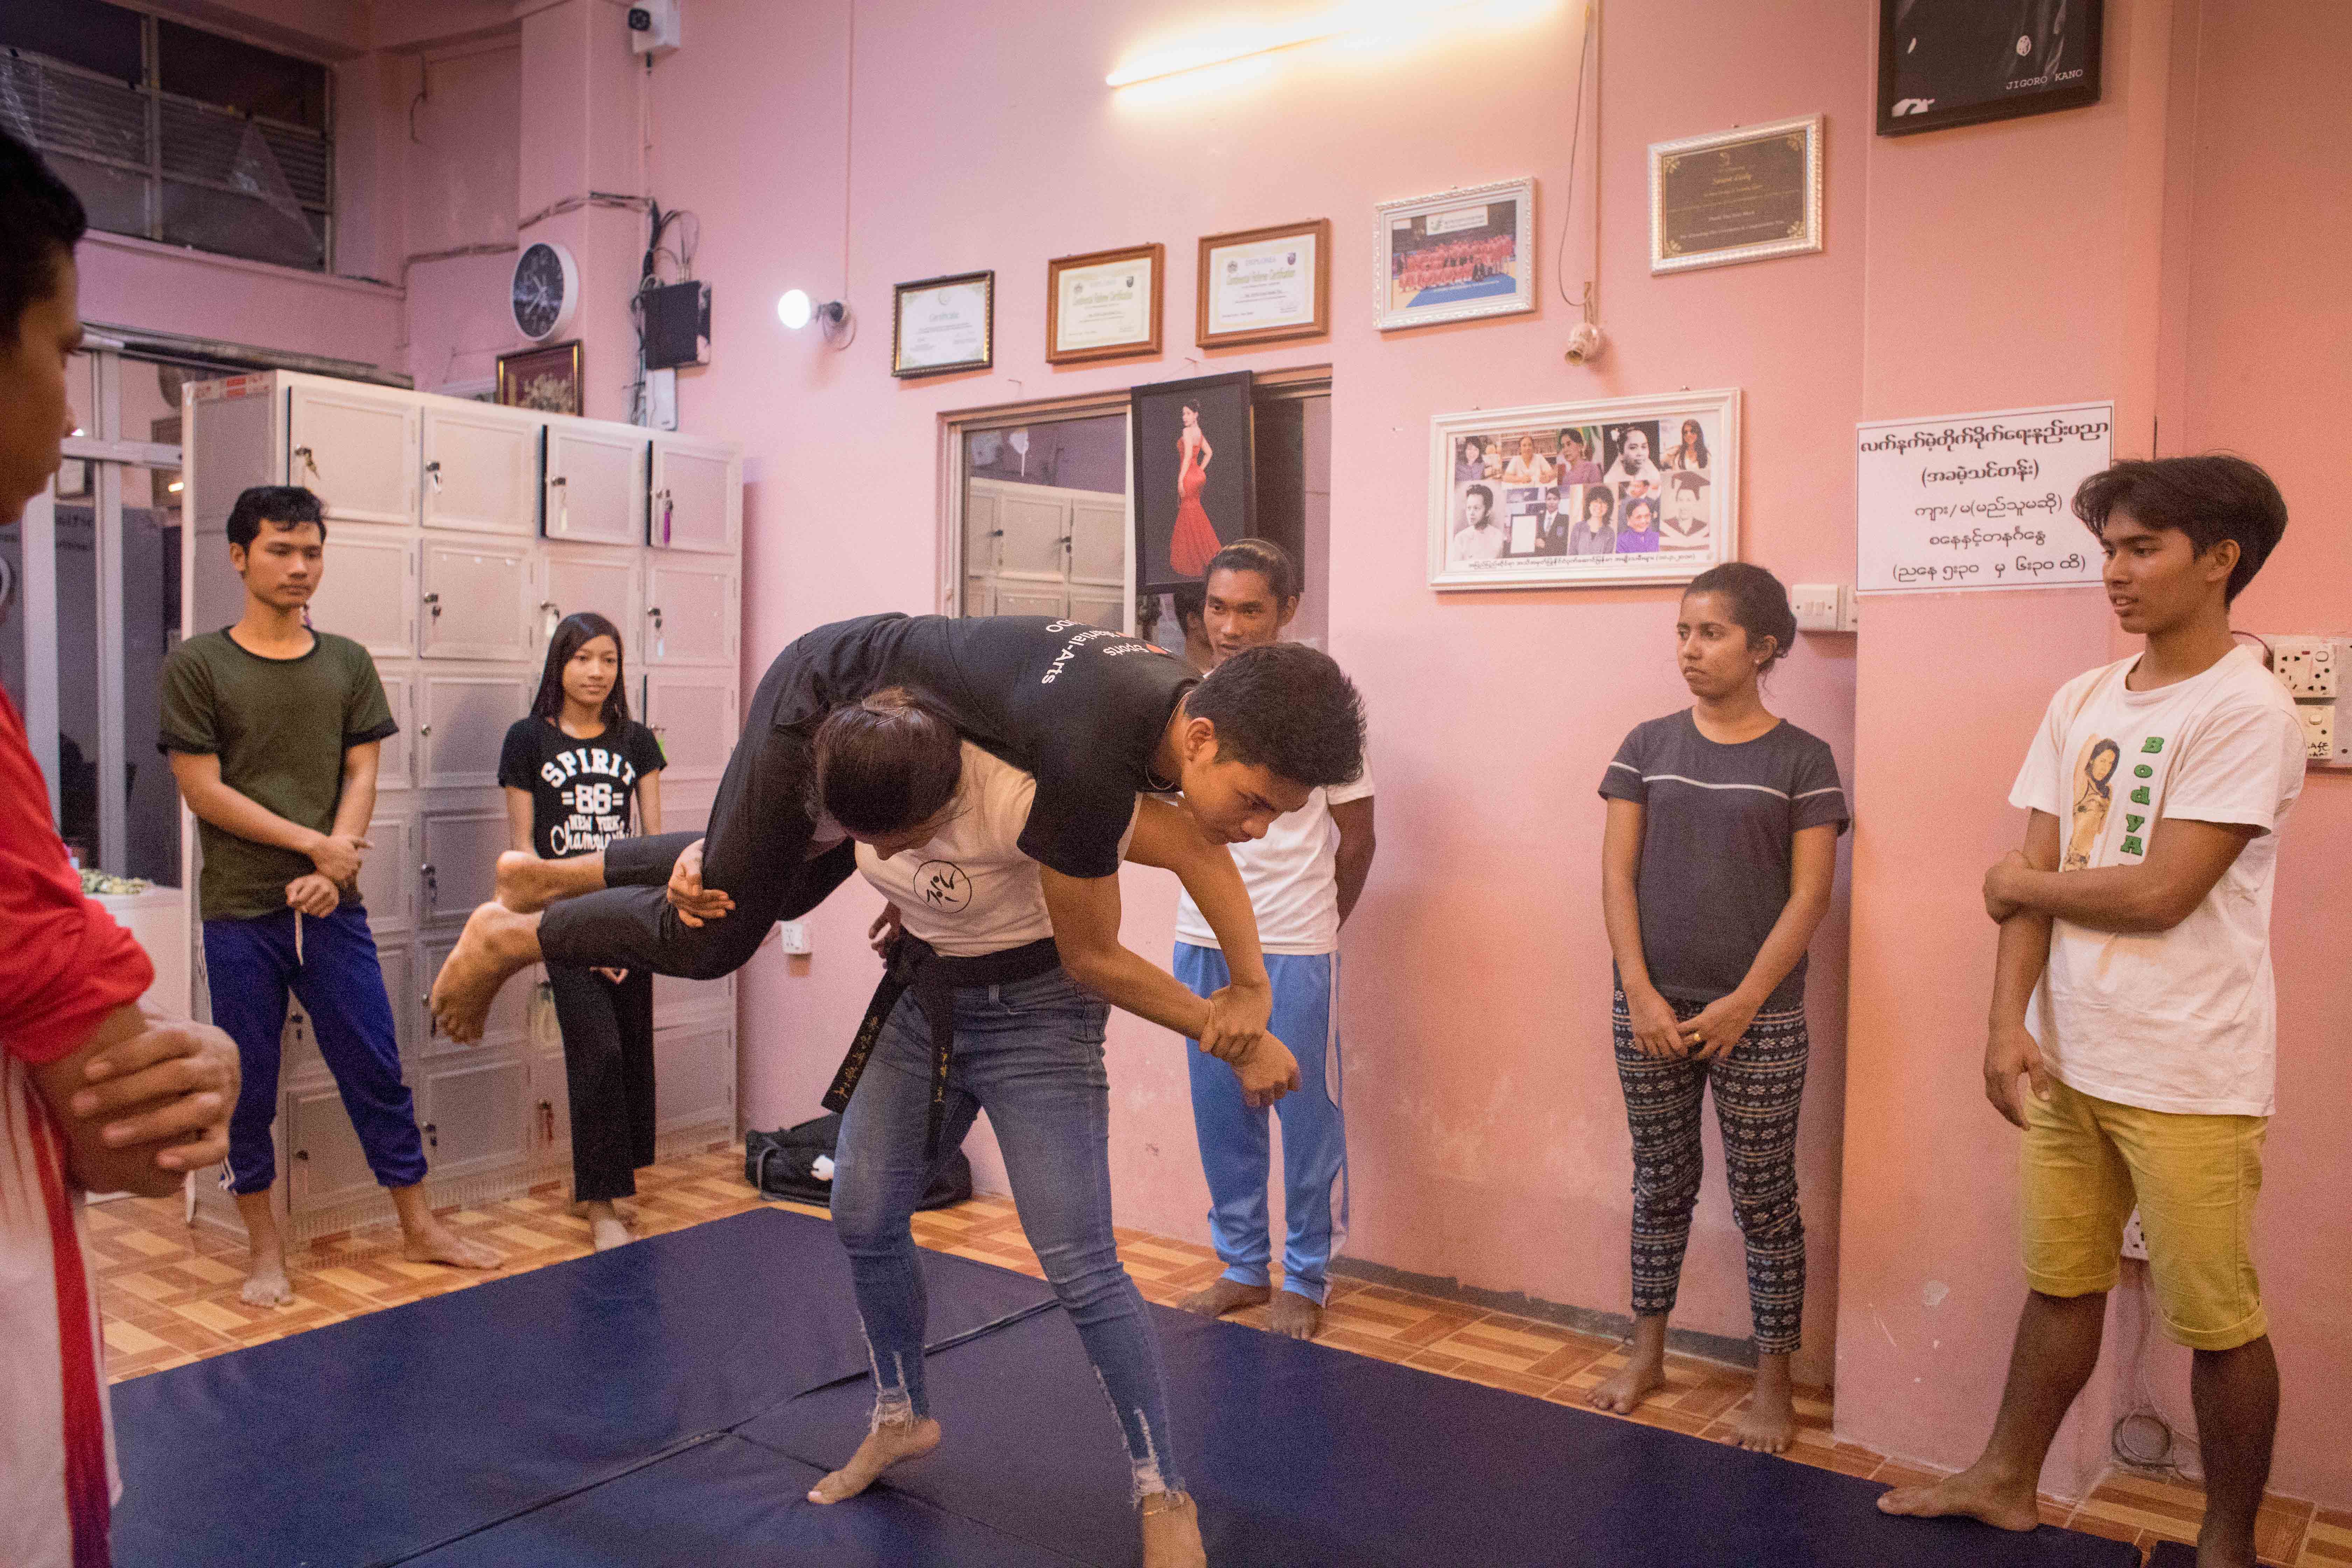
pixel 1483 493
pixel 1191 602
pixel 1759 604
pixel 41 221
pixel 1288 708
pixel 888 763
pixel 1263 556
pixel 287 506
pixel 2210 498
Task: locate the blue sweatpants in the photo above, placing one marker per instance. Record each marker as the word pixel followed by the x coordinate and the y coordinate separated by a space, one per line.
pixel 1234 1139
pixel 249 966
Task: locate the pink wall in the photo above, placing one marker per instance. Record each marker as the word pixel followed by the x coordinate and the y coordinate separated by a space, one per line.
pixel 133 283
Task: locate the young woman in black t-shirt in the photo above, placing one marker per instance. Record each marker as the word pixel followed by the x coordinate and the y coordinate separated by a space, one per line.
pixel 572 771
pixel 1716 870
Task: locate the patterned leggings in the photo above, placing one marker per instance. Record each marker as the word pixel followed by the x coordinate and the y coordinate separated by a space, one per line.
pixel 1758 1087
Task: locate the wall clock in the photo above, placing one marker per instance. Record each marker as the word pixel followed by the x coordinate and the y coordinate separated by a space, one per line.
pixel 546 290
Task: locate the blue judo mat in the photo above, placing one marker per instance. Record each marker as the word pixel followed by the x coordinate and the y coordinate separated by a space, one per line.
pixel 670 1403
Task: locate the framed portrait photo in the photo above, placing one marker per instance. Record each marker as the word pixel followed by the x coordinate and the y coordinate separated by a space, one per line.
pixel 1635 490
pixel 1963 62
pixel 1195 492
pixel 1265 285
pixel 546 379
pixel 1104 305
pixel 943 324
pixel 1736 195
pixel 1456 256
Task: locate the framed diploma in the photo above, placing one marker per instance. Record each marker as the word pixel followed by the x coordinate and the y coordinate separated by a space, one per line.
pixel 943 324
pixel 1456 256
pixel 1736 195
pixel 1104 305
pixel 1264 285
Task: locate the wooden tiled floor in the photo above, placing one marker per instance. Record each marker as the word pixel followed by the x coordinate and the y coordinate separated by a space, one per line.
pixel 170 1297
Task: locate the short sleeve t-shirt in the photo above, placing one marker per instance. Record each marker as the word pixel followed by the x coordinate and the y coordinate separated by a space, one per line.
pixel 1719 826
pixel 970 889
pixel 581 790
pixel 281 727
pixel 2182 1020
pixel 1292 877
pixel 1080 709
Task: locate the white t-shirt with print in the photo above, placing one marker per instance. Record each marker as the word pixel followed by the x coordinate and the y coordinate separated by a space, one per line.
pixel 970 889
pixel 1293 879
pixel 2182 1020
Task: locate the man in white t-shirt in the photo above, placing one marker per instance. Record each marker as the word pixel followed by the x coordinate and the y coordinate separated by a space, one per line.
pixel 1303 879
pixel 2136 923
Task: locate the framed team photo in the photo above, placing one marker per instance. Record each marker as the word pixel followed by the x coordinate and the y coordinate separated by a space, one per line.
pixel 1457 256
pixel 1963 62
pixel 1635 490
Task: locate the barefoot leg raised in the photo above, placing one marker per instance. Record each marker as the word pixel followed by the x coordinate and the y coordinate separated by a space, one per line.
pixel 527 884
pixel 496 943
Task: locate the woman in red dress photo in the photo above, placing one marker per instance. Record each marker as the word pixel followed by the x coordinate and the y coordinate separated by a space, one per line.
pixel 1194 540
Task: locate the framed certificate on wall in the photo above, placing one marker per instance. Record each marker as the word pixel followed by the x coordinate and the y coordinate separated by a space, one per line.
pixel 943 324
pixel 1104 305
pixel 1736 195
pixel 1264 285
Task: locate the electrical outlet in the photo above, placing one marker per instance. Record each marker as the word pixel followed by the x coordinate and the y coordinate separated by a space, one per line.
pixel 793 937
pixel 1822 607
pixel 2318 729
pixel 2306 667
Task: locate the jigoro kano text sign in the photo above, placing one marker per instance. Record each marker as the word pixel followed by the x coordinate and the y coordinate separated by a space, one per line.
pixel 1979 501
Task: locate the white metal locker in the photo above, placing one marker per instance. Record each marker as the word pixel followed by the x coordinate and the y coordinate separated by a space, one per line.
pixel 481 469
pixel 576 578
pixel 1024 599
pixel 473 1115
pixel 1034 539
pixel 362 567
pixel 356 448
pixel 1098 543
pixel 477 601
pixel 549 1108
pixel 396 756
pixel 508 1023
pixel 387 881
pixel 693 714
pixel 462 717
pixel 694 1076
pixel 460 867
pixel 595 484
pixel 697 497
pixel 326 1164
pixel 690 613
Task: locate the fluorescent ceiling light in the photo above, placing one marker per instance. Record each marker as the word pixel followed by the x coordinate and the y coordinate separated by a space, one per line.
pixel 1346 19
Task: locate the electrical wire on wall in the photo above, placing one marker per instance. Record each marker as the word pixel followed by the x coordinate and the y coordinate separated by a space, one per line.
pixel 1584 339
pixel 680 256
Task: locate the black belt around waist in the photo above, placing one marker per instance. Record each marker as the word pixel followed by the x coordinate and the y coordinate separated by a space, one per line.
pixel 914 964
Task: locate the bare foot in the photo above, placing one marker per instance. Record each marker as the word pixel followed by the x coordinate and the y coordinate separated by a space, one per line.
pixel 889 1443
pixel 1171 1529
pixel 527 884
pixel 1295 1315
pixel 1224 1296
pixel 2222 1546
pixel 1770 1424
pixel 432 1242
pixel 266 1286
pixel 1972 1494
pixel 1623 1394
pixel 496 943
pixel 604 1227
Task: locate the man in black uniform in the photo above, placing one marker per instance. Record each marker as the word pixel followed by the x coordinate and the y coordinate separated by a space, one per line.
pixel 1098 718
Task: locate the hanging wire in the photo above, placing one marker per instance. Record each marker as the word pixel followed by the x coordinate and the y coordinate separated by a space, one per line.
pixel 1575 145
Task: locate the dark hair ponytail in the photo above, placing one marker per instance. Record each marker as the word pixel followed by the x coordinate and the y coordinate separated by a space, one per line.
pixel 1759 604
pixel 572 633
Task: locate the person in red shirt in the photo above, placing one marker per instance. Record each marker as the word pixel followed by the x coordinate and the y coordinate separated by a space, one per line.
pixel 94 1094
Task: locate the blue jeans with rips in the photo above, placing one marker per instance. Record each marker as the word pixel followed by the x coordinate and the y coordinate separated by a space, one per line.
pixel 1031 1055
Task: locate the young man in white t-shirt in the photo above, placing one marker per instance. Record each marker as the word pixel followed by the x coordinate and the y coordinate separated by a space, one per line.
pixel 1303 879
pixel 2137 925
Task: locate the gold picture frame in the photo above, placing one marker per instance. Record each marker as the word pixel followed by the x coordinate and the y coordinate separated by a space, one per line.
pixel 546 379
pixel 1113 305
pixel 1272 263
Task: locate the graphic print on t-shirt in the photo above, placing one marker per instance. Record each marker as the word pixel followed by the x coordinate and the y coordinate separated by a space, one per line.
pixel 2095 774
pixel 942 885
pixel 593 785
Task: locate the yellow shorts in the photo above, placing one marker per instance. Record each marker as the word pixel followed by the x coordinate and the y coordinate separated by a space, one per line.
pixel 2086 1161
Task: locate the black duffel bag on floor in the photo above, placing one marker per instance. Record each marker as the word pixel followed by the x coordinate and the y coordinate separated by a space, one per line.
pixel 785 1165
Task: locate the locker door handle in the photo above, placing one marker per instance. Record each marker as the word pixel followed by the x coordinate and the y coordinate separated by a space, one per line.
pixel 432 1134
pixel 431 888
pixel 303 1155
pixel 308 462
pixel 434 600
pixel 434 470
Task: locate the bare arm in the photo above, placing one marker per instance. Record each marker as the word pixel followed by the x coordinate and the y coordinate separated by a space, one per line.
pixel 518 821
pixel 142 1101
pixel 355 808
pixel 2009 1047
pixel 1813 867
pixel 198 776
pixel 1656 1031
pixel 649 817
pixel 1351 859
pixel 2184 860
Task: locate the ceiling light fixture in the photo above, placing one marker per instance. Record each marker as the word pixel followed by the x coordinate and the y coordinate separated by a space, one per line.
pixel 1348 20
pixel 795 308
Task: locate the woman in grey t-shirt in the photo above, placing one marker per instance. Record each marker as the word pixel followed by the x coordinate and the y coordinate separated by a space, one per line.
pixel 1715 869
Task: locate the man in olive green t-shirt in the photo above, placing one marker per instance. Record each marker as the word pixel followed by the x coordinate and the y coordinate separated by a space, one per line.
pixel 273 731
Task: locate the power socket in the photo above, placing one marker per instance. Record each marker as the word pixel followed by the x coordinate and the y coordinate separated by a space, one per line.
pixel 2319 730
pixel 1823 606
pixel 793 937
pixel 2306 667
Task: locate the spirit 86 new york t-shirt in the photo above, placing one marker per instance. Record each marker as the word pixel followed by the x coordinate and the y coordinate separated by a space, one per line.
pixel 581 790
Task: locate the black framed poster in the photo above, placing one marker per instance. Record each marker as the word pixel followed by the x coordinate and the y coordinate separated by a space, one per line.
pixel 1963 62
pixel 1194 492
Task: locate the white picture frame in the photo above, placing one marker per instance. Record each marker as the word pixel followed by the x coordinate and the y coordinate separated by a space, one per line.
pixel 1541 496
pixel 1421 277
